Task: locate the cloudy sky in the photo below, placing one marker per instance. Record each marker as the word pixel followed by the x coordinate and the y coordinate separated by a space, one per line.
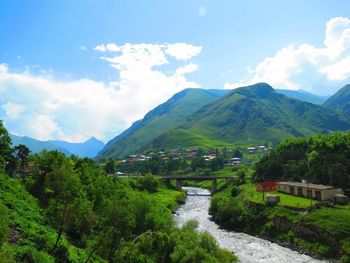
pixel 74 69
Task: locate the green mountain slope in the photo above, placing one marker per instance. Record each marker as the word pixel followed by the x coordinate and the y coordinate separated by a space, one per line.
pixel 340 100
pixel 161 119
pixel 252 114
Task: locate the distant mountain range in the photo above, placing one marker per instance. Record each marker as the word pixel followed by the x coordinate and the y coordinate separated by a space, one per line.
pixel 90 148
pixel 303 96
pixel 340 100
pixel 246 115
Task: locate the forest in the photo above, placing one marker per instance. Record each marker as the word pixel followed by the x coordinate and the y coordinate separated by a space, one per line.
pixel 321 159
pixel 69 210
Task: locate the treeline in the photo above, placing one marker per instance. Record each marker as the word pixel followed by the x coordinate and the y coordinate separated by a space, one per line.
pixel 322 159
pixel 106 219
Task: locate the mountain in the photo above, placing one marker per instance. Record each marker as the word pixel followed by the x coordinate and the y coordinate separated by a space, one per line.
pixel 252 114
pixel 90 148
pixel 303 95
pixel 159 120
pixel 36 145
pixel 340 100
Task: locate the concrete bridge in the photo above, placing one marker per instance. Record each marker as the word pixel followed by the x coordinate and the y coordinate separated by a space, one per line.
pixel 180 178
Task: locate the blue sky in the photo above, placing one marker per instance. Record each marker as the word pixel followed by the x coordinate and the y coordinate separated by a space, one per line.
pixel 59 78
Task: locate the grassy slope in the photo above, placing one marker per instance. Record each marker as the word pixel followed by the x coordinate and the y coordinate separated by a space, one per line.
pixel 164 117
pixel 28 219
pixel 251 115
pixel 340 100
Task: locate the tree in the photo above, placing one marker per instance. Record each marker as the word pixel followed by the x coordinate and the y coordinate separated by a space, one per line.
pixel 21 153
pixel 149 183
pixel 6 150
pixel 241 175
pixel 5 142
pixel 65 190
pixel 110 167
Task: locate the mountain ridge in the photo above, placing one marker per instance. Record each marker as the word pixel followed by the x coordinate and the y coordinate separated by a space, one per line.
pixel 340 100
pixel 163 117
pixel 89 148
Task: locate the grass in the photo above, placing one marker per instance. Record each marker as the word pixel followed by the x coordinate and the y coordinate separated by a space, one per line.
pixel 249 192
pixel 169 198
pixel 335 220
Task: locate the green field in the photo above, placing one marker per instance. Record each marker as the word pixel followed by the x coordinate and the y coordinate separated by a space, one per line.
pixel 248 192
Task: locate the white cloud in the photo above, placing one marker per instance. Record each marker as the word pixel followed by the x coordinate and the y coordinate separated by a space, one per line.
pixel 13 110
pixel 111 47
pixel 317 69
pixel 182 51
pixel 43 107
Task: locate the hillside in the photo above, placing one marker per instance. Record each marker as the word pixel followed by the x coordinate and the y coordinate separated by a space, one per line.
pixel 340 100
pixel 159 120
pixel 253 114
pixel 303 95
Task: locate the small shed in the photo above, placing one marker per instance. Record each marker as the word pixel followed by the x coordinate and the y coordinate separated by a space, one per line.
pixel 341 199
pixel 272 199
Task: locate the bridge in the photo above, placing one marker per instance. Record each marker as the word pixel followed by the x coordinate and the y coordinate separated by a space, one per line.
pixel 180 178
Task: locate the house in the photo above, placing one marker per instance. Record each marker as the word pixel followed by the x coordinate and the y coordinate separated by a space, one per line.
pixel 266 186
pixel 251 150
pixel 236 161
pixel 316 191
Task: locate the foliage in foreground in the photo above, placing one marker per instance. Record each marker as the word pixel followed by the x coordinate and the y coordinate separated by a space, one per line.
pixel 69 211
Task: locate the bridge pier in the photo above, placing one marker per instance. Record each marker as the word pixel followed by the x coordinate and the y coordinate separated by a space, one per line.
pixel 178 184
pixel 214 186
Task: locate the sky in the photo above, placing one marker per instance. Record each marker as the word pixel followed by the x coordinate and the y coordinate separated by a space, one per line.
pixel 71 70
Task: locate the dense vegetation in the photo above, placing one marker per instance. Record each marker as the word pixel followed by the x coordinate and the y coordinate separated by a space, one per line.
pixel 295 222
pixel 67 210
pixel 320 159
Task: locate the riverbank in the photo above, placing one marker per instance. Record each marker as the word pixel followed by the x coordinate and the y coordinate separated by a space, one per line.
pixel 320 232
pixel 247 247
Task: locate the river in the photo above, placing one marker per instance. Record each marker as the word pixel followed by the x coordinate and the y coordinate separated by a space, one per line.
pixel 249 249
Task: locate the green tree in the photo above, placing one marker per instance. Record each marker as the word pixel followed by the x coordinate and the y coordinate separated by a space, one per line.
pixel 149 183
pixel 22 153
pixel 110 167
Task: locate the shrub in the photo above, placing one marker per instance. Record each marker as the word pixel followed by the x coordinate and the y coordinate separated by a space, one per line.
pixel 3 223
pixel 149 183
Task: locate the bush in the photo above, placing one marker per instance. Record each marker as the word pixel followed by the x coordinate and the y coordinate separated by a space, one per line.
pixel 4 221
pixel 149 183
